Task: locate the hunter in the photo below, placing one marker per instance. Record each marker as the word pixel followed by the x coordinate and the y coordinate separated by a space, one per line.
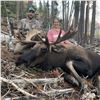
pixel 26 25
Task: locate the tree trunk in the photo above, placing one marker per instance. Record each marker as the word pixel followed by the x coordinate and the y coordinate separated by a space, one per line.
pixel 87 23
pixel 54 10
pixel 76 14
pixel 21 9
pixel 17 12
pixel 63 13
pixel 81 23
pixel 30 2
pixel 76 17
pixel 93 22
pixel 67 15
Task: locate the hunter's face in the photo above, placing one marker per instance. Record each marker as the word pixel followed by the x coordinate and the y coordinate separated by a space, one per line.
pixel 31 14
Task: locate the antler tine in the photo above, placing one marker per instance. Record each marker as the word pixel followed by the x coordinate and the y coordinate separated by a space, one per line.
pixel 58 37
pixel 47 40
pixel 67 35
pixel 28 42
pixel 42 39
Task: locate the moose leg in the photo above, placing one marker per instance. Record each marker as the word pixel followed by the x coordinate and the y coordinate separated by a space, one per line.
pixel 70 79
pixel 71 68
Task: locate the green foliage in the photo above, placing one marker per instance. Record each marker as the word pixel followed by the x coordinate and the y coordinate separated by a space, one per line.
pixel 54 10
pixel 40 7
pixel 8 8
pixel 46 15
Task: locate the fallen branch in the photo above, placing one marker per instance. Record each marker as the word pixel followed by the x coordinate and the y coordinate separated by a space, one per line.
pixel 19 89
pixel 18 98
pixel 88 96
pixel 27 80
pixel 3 32
pixel 5 94
pixel 55 92
pixel 40 81
pixel 52 92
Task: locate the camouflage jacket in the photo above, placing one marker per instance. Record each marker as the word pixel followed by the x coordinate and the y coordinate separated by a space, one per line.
pixel 26 25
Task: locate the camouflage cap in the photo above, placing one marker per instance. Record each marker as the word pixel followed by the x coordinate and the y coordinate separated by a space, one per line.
pixel 31 9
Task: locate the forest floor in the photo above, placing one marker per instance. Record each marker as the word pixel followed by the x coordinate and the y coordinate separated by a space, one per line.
pixel 39 84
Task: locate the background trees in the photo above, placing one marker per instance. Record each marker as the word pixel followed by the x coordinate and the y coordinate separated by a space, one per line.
pixel 75 12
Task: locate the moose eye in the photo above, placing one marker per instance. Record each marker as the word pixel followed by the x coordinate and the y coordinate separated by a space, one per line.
pixel 44 50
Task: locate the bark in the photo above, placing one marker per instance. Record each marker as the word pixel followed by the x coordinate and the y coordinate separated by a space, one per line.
pixel 81 22
pixel 87 23
pixel 93 22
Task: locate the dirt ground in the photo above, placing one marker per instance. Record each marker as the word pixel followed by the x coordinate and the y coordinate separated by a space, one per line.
pixel 10 71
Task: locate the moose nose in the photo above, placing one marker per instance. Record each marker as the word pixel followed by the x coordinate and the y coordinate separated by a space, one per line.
pixel 44 50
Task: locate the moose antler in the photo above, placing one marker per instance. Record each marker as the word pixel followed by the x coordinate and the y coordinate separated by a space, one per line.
pixel 67 35
pixel 59 35
pixel 31 34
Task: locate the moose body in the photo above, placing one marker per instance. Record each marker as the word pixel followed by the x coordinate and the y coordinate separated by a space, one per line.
pixel 83 62
pixel 74 60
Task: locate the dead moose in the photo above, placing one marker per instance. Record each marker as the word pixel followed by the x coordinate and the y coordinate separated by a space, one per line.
pixel 74 60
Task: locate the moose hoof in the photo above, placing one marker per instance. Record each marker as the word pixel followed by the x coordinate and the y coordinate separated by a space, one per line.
pixel 70 79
